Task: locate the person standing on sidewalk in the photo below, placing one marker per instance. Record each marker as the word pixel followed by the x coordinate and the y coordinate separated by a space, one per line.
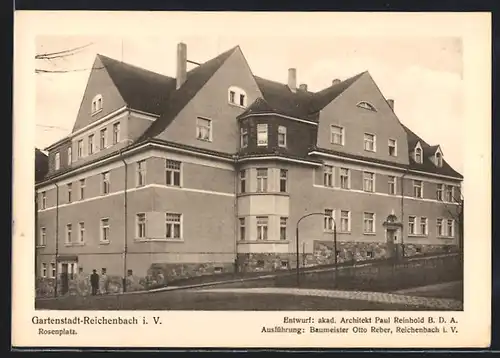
pixel 94 282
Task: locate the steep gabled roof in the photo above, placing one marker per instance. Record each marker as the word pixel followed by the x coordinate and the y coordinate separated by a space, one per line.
pixel 141 89
pixel 325 96
pixel 195 80
pixel 260 105
pixel 431 150
pixel 427 165
pixel 283 101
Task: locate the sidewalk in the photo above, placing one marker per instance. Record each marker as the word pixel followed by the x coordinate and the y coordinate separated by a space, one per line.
pixel 390 298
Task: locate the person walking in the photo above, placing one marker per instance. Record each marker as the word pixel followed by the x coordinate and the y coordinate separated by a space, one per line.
pixel 94 282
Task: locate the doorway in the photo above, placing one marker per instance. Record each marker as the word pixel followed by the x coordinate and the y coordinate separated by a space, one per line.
pixel 391 245
pixel 64 278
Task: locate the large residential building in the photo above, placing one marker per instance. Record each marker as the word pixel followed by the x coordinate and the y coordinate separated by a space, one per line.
pixel 211 171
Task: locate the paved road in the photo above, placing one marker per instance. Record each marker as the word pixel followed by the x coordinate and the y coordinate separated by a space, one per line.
pixel 381 297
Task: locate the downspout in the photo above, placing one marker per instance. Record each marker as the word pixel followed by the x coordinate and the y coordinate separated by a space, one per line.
pixel 57 236
pixel 125 244
pixel 236 216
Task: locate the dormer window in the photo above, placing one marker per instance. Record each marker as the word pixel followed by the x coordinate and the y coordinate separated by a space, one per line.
pixel 96 104
pixel 438 158
pixel 366 105
pixel 418 153
pixel 237 96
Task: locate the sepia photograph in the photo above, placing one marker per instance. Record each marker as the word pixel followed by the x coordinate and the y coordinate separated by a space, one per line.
pixel 183 171
pixel 213 188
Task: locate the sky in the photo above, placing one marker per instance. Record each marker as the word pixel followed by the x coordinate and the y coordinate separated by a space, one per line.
pixel 424 75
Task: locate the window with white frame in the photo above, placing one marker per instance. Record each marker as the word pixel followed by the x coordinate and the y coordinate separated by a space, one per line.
pixel 204 129
pixel 418 155
pixel 439 192
pixel 103 138
pixel 70 158
pixel 283 222
pixel 282 136
pixel 449 193
pixel 337 135
pixel 69 238
pixel 440 227
pixel 52 270
pixel 173 226
pixel 81 232
pixel 262 227
pixel 439 159
pixel 369 142
pixel 344 178
pixel 57 161
pixel 140 222
pixel 411 225
pixel 44 270
pixel 283 180
pixel 79 147
pixel 366 105
pixel 105 230
pixel 328 220
pixel 96 104
pixel 105 183
pixel 242 229
pixel 70 192
pixel 243 181
pixel 450 225
pixel 423 226
pixel 368 223
pixel 368 181
pixel 328 175
pixel 237 96
pixel 262 134
pixel 392 184
pixel 261 180
pixel 141 173
pixel 42 241
pixel 43 202
pixel 417 188
pixel 90 145
pixel 116 132
pixel 173 172
pixel 82 189
pixel 244 137
pixel 345 221
pixel 393 151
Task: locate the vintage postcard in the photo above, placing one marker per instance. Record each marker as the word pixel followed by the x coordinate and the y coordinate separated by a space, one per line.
pixel 239 180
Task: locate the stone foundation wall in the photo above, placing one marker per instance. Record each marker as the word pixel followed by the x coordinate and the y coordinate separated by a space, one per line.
pixel 162 273
pixel 324 255
pixel 158 275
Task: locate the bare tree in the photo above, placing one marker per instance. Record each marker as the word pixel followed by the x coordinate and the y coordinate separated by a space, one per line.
pixel 51 56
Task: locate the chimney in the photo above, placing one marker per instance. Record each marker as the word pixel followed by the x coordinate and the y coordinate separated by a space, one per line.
pixel 181 64
pixel 335 82
pixel 292 79
pixel 303 87
pixel 390 102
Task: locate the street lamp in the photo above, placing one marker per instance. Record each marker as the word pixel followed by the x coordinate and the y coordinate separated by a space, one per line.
pixel 334 243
